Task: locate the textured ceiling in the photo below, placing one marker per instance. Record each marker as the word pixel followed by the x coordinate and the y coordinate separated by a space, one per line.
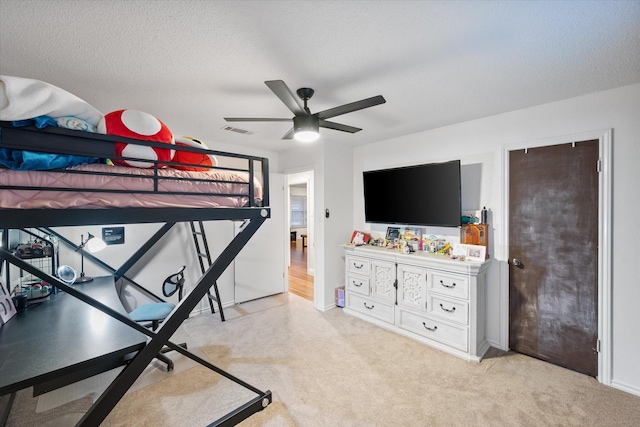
pixel 191 63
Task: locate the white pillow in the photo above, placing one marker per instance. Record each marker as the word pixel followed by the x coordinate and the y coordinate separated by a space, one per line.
pixel 22 98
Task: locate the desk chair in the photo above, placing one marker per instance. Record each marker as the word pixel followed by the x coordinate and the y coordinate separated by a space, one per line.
pixel 156 312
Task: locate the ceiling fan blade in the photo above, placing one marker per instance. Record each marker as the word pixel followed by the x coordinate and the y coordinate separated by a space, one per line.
pixel 289 135
pixel 348 108
pixel 337 126
pixel 254 119
pixel 283 92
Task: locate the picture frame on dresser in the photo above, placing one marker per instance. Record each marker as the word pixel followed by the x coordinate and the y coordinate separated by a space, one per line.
pixel 459 251
pixel 393 233
pixel 360 238
pixel 476 253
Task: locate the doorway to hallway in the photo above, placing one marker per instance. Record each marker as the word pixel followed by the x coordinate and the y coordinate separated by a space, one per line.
pixel 300 194
pixel 300 283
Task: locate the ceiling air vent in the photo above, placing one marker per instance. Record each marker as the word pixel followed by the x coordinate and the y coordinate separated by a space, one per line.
pixel 237 130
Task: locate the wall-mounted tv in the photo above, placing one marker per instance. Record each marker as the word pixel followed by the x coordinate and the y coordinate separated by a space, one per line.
pixel 427 195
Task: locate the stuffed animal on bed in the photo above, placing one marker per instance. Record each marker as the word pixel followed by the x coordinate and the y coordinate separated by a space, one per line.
pixel 138 125
pixel 191 159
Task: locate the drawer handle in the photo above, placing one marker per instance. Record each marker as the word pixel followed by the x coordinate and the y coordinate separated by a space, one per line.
pixel 358 266
pixel 448 310
pixel 367 307
pixel 448 286
pixel 435 328
pixel 356 284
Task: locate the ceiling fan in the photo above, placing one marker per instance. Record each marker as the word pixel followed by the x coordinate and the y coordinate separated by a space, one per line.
pixel 306 125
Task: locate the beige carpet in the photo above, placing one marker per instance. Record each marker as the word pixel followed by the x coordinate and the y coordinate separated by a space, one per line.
pixel 330 369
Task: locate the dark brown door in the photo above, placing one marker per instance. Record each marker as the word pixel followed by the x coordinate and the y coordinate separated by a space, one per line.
pixel 553 254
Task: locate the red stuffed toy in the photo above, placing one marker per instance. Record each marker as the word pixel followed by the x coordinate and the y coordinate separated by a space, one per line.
pixel 190 159
pixel 138 125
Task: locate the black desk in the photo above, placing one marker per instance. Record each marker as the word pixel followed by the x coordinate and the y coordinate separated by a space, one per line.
pixel 63 340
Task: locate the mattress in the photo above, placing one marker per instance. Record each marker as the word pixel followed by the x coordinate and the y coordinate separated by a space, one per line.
pixel 87 186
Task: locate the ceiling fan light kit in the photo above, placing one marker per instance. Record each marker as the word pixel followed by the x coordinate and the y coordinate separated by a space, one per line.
pixel 306 125
pixel 305 128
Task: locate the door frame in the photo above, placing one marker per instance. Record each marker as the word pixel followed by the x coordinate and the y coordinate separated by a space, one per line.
pixel 305 176
pixel 604 239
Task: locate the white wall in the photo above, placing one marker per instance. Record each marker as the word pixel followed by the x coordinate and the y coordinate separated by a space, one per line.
pixel 310 157
pixel 332 165
pixel 478 145
pixel 338 198
pixel 273 157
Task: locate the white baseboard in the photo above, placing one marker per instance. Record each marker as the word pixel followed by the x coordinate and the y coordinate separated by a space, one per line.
pixel 625 387
pixel 327 308
pixel 498 345
pixel 206 309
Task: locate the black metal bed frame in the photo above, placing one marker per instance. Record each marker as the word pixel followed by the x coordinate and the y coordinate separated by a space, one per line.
pixel 80 143
pixel 54 140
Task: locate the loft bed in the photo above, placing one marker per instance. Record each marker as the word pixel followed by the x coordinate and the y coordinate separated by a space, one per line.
pixel 95 193
pixel 101 194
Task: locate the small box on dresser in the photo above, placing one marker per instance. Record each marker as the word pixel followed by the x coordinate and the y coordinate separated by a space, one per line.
pixel 475 234
pixel 430 298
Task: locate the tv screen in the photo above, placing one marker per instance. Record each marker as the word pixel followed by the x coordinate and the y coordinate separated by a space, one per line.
pixel 414 195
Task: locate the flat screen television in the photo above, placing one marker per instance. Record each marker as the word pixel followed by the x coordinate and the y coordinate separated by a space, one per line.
pixel 427 195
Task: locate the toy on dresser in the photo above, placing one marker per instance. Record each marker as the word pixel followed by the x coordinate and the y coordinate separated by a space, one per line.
pixel 475 234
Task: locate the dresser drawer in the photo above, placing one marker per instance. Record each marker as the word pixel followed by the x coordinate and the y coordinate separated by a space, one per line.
pixel 456 311
pixel 358 265
pixel 453 336
pixel 448 284
pixel 358 284
pixel 370 308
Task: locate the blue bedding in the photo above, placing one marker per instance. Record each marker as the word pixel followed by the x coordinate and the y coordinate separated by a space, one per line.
pixel 32 160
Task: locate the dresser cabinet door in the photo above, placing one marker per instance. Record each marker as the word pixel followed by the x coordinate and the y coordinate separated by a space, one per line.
pixel 383 278
pixel 412 287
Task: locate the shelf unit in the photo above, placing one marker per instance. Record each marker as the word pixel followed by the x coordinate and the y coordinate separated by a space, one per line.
pixel 35 247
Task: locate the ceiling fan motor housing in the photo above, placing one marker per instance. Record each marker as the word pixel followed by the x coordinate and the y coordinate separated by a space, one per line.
pixel 309 123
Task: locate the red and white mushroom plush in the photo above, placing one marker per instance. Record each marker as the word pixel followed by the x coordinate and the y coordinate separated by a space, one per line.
pixel 138 125
pixel 191 159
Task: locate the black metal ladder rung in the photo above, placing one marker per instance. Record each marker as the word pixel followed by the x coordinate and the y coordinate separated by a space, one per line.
pixel 201 257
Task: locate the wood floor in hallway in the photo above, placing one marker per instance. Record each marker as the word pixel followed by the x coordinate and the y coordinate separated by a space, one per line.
pixel 300 283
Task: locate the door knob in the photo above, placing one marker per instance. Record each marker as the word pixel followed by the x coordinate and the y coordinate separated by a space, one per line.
pixel 516 262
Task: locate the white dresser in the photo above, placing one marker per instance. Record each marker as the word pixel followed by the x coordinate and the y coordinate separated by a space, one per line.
pixel 427 297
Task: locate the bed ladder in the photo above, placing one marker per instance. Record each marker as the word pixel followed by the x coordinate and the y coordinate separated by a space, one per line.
pixel 200 239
